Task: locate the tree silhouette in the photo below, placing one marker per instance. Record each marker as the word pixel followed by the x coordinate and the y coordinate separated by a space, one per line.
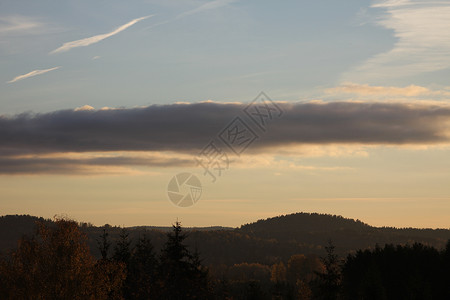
pixel 278 273
pixel 111 273
pixel 142 271
pixel 122 251
pixel 104 244
pixel 328 285
pixel 122 254
pixel 53 264
pixel 180 273
pixel 397 272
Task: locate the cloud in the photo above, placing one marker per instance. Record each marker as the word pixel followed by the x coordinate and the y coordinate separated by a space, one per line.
pixel 205 7
pixel 202 8
pixel 408 94
pixel 17 24
pixel 32 74
pixel 423 42
pixel 84 107
pixel 97 38
pixel 365 89
pixel 86 164
pixel 88 140
pixel 189 127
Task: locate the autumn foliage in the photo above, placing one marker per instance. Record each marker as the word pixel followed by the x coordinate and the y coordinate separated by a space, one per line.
pixel 56 264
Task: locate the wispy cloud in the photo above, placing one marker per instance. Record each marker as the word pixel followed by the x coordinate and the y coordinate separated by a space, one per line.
pixel 423 42
pixel 17 24
pixel 205 7
pixel 97 38
pixel 89 163
pixel 391 91
pixel 32 74
pixel 202 8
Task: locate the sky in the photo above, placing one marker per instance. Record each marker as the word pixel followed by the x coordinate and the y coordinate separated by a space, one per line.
pixel 338 107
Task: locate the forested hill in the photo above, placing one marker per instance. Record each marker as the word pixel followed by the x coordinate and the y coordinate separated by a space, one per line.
pixel 312 229
pixel 265 241
pixel 304 222
pixel 13 227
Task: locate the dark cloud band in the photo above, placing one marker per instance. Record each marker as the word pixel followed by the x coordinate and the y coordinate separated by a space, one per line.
pixel 189 127
pixel 76 166
pixel 36 143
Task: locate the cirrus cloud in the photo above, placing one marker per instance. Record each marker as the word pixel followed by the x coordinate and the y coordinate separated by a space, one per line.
pixel 32 74
pixel 97 38
pixel 423 43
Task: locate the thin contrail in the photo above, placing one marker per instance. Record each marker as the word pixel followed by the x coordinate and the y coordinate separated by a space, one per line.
pixel 31 74
pixel 96 38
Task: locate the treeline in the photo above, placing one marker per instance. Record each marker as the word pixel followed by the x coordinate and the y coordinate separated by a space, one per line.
pixel 313 230
pixel 56 263
pixel 390 272
pixel 266 241
pixel 397 272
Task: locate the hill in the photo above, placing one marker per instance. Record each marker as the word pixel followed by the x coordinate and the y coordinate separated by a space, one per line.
pixel 264 241
pixel 13 227
pixel 313 230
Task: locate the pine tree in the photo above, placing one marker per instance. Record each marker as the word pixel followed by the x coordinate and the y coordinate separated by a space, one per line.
pixel 122 248
pixel 329 282
pixel 104 244
pixel 142 270
pixel 181 274
pixel 122 254
pixel 110 273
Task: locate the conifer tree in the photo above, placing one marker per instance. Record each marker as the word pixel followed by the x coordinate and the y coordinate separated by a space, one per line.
pixel 181 275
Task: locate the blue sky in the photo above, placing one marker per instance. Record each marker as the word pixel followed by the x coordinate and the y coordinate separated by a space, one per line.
pixel 63 63
pixel 223 52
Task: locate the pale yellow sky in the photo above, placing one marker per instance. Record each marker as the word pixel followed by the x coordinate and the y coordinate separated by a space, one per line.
pixel 385 186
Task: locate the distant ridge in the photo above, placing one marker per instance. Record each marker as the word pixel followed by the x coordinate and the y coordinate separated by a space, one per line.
pixel 13 227
pixel 264 241
pixel 347 234
pixel 305 222
pixel 169 228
